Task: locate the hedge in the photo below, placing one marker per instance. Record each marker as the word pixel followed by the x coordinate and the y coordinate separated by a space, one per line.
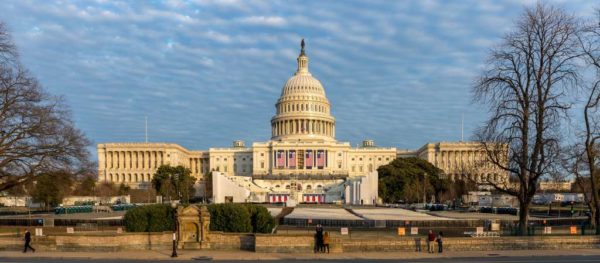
pixel 149 218
pixel 240 218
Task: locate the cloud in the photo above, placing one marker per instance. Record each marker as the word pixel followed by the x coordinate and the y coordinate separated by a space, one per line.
pixel 264 20
pixel 207 72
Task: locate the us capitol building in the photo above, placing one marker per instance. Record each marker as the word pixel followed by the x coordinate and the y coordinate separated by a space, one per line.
pixel 302 162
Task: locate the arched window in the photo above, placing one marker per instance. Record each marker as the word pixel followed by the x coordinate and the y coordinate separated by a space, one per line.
pixel 319 186
pixel 308 187
pixel 287 187
pixel 277 186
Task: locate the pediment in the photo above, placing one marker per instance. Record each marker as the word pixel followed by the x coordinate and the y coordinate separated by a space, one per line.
pixel 191 210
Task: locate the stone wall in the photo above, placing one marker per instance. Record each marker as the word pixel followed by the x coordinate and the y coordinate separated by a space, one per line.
pixel 284 243
pixel 231 241
pixel 93 242
pixel 290 243
pixel 468 243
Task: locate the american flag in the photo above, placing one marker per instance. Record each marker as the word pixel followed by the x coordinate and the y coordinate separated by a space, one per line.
pixel 292 159
pixel 320 158
pixel 280 159
pixel 308 160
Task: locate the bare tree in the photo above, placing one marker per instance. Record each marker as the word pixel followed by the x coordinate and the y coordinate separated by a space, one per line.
pixel 583 158
pixel 8 52
pixel 36 132
pixel 525 86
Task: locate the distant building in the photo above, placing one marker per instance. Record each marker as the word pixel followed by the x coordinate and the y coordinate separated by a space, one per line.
pixel 498 200
pixel 462 160
pixel 474 196
pixel 555 186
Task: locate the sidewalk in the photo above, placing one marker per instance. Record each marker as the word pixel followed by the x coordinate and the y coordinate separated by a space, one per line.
pixel 245 255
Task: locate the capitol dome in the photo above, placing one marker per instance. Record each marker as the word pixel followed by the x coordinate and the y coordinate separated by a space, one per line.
pixel 303 110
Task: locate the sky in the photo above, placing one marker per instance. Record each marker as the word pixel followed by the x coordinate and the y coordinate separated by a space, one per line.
pixel 208 72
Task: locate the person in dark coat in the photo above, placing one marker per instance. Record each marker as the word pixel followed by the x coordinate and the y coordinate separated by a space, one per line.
pixel 28 241
pixel 440 242
pixel 319 239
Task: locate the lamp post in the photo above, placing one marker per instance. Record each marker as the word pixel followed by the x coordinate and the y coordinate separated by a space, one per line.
pixel 174 206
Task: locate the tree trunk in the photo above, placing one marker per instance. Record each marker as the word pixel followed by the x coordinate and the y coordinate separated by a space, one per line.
pixel 523 218
pixel 595 217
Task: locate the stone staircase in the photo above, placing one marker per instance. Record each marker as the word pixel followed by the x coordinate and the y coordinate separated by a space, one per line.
pixel 284 212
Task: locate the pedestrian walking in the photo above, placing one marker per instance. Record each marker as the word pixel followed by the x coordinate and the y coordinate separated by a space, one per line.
pixel 27 242
pixel 440 242
pixel 430 240
pixel 326 242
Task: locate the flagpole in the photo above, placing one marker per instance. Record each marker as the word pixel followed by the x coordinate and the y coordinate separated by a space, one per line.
pixel 146 130
pixel 462 128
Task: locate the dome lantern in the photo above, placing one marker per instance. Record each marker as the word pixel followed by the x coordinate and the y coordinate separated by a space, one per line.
pixel 302 61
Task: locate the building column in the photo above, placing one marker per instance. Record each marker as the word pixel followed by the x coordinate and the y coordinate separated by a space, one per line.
pixel 121 159
pixel 152 159
pixel 137 159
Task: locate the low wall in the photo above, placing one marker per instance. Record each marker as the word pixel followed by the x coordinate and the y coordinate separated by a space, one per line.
pixel 290 243
pixel 231 241
pixel 284 243
pixel 305 243
pixel 93 242
pixel 469 243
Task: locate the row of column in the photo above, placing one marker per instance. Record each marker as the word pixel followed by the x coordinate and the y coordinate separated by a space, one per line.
pixel 287 127
pixel 133 159
pixel 452 159
pixel 196 165
pixel 130 178
pixel 480 178
pixel 283 108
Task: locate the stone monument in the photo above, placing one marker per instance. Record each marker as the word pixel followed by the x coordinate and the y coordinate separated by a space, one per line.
pixel 193 226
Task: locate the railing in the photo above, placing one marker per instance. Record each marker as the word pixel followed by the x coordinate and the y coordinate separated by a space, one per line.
pixel 59 222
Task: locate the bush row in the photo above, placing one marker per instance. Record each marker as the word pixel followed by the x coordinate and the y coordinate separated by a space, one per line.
pixel 241 218
pixel 149 218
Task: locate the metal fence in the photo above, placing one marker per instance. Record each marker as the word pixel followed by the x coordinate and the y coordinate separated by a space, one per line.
pixel 59 222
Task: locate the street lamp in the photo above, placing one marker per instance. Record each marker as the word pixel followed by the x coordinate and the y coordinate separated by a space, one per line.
pixel 174 206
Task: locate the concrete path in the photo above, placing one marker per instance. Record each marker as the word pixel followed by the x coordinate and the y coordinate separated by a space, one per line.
pixel 243 255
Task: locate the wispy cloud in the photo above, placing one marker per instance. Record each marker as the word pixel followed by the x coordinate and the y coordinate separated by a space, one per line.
pixel 207 72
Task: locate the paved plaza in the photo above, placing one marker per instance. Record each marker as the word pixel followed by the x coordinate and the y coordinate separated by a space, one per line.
pixel 322 213
pixel 396 214
pixel 274 211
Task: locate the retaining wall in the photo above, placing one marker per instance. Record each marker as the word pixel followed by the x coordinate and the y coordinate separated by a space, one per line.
pixel 290 243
